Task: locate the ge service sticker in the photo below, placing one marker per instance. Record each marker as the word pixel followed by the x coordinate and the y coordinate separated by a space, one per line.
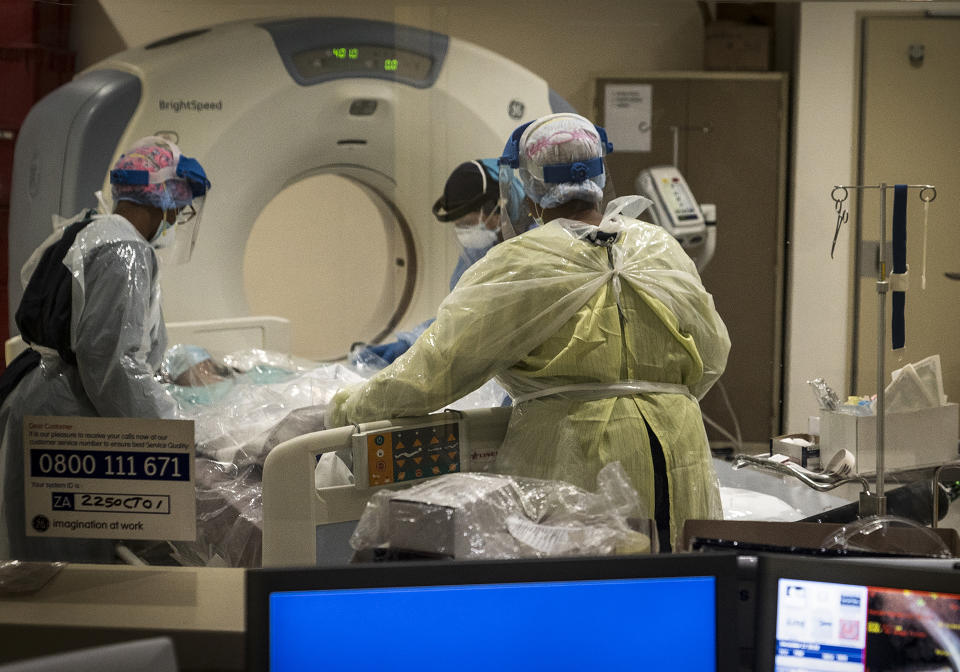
pixel 109 478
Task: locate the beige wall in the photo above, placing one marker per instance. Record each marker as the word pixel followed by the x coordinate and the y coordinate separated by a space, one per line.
pixel 567 43
pixel 825 153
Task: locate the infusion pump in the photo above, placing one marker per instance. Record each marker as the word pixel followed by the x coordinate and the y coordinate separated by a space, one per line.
pixel 676 210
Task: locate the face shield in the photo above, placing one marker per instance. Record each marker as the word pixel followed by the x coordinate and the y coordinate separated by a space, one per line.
pixel 175 242
pixel 558 158
pixel 514 215
pixel 156 174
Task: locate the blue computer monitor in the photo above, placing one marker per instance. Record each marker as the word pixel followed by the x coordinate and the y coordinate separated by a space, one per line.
pixel 612 613
pixel 843 615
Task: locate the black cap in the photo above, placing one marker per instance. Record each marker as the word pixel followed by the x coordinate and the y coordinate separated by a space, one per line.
pixel 468 189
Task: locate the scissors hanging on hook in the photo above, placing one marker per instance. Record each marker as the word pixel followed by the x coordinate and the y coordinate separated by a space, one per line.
pixel 843 216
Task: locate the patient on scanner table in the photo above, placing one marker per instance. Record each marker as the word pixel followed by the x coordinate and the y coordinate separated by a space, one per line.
pixel 192 366
pixel 194 377
pixel 243 405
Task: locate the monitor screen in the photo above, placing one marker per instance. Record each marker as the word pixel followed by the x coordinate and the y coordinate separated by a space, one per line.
pixel 613 613
pixel 845 616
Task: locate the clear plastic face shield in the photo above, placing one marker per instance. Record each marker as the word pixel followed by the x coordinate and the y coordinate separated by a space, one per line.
pixel 175 240
pixel 556 159
pixel 178 190
pixel 514 215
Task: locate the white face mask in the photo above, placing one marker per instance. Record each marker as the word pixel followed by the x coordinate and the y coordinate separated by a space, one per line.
pixel 476 240
pixel 476 237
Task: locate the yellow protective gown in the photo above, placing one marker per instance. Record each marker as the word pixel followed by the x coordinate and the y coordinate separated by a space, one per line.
pixel 592 341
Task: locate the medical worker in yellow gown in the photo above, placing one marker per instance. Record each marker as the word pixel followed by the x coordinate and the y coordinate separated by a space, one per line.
pixel 595 322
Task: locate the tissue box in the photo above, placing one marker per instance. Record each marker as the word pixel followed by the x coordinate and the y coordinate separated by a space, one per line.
pixel 800 448
pixel 444 515
pixel 914 439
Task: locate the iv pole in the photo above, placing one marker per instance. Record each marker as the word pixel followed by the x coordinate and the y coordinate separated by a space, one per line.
pixel 876 504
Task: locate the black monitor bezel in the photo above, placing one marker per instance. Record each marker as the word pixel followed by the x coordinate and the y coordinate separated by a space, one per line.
pixel 722 566
pixel 905 573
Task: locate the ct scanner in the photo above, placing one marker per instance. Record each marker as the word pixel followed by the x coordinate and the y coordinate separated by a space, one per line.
pixel 273 109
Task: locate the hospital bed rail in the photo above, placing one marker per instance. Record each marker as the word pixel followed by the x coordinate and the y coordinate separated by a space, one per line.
pixel 306 526
pixel 266 332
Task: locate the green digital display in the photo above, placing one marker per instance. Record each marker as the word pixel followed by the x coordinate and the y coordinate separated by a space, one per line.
pixel 341 53
pixel 346 58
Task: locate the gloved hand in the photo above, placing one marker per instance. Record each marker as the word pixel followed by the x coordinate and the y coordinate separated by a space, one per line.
pixel 389 351
pixel 376 357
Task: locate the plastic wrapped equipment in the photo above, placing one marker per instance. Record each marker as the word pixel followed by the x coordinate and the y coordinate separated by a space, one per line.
pixel 472 515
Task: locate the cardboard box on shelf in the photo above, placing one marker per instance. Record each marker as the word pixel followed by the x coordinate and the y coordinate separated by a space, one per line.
pixel 736 46
pixel 916 439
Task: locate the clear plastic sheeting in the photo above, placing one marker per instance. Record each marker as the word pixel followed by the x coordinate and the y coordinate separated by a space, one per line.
pixel 471 515
pixel 261 398
pixel 887 535
pixel 240 417
pixel 114 283
pixel 229 517
pixel 742 504
pixel 263 365
pixel 18 577
pixel 826 397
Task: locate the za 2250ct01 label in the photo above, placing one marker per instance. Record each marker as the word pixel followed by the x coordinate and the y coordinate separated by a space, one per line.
pixel 109 478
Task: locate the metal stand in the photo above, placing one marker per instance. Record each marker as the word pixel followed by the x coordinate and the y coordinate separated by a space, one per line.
pixel 876 504
pixel 936 489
